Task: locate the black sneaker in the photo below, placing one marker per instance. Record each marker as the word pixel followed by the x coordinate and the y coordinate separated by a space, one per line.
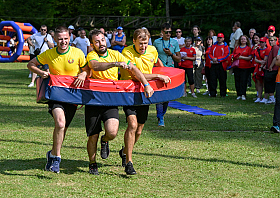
pixel 93 169
pixel 129 169
pixel 105 151
pixel 123 156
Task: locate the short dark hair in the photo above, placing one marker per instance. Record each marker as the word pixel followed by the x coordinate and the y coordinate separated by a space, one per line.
pixel 196 26
pixel 60 29
pixel 238 24
pixel 44 26
pixel 95 32
pixel 165 26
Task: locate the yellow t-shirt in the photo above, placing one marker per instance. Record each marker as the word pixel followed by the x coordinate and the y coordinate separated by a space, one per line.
pixel 144 62
pixel 68 63
pixel 112 56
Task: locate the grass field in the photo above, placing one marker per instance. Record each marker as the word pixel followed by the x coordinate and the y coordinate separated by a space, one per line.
pixel 193 156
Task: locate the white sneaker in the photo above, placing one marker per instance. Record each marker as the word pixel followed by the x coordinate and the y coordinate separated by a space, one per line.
pixel 197 91
pixel 270 101
pixel 30 75
pixel 243 97
pixel 31 84
pixel 258 100
pixel 206 93
pixel 238 98
pixel 185 95
pixel 193 95
pixel 263 100
pixel 190 92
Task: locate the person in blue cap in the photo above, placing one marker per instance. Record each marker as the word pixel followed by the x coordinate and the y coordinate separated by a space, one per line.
pixel 118 40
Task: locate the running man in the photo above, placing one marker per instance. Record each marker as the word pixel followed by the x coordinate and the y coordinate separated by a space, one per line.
pixel 58 59
pixel 144 56
pixel 104 64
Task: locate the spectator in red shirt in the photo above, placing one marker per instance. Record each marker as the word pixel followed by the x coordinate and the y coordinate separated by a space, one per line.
pixel 260 54
pixel 243 53
pixel 188 55
pixel 270 71
pixel 254 44
pixel 270 33
pixel 218 55
pixel 208 44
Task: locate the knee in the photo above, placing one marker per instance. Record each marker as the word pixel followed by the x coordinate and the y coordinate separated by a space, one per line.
pixel 132 126
pixel 93 139
pixel 60 124
pixel 111 135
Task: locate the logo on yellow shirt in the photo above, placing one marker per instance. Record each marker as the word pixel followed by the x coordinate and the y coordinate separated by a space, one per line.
pixel 152 60
pixel 71 61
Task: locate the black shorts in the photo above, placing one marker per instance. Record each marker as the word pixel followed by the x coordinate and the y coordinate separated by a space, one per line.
pixel 269 81
pixel 141 112
pixel 95 114
pixel 189 74
pixel 69 110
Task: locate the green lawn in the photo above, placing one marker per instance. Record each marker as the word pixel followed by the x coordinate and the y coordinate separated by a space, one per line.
pixel 193 156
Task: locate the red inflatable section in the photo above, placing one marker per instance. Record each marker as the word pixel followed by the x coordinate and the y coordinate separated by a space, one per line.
pixel 176 75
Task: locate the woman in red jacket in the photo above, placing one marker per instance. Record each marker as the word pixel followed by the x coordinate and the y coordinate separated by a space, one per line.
pixel 243 53
pixel 188 55
pixel 208 44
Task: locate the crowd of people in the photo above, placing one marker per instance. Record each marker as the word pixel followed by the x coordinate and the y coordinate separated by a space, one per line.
pixel 92 57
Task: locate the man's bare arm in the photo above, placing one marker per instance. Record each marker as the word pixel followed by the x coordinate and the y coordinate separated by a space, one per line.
pixel 32 66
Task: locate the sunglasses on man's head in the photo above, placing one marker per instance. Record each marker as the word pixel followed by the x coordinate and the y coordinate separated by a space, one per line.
pixel 167 32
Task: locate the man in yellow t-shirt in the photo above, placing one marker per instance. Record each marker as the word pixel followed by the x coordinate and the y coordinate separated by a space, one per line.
pixel 62 60
pixel 144 56
pixel 104 64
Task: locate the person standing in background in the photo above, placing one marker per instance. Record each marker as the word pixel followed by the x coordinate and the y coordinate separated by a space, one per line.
pixel 168 52
pixel 118 40
pixel 72 36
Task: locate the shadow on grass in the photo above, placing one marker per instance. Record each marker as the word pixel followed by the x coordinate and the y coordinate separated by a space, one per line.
pixel 211 160
pixel 69 167
pixel 72 165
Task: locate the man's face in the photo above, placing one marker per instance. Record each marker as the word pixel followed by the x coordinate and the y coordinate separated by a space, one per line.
pixel 270 33
pixel 62 40
pixel 188 42
pixel 99 44
pixel 141 44
pixel 119 31
pixel 166 33
pixel 252 32
pixel 220 39
pixel 83 33
pixel 272 42
pixel 178 33
pixel 195 30
pixel 102 30
pixel 43 30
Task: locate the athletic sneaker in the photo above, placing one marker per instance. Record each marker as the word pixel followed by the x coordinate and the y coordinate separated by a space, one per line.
pixel 206 93
pixel 49 161
pixel 30 75
pixel 258 100
pixel 197 91
pixel 275 129
pixel 263 100
pixel 270 101
pixel 93 169
pixel 238 98
pixel 190 92
pixel 193 95
pixel 55 165
pixel 243 97
pixel 161 122
pixel 31 84
pixel 123 156
pixel 105 151
pixel 129 169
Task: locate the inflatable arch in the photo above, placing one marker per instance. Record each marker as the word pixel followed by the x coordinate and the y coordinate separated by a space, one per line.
pixel 9 29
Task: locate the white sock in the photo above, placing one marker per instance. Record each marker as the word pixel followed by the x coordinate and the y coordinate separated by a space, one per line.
pixel 271 97
pixel 53 156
